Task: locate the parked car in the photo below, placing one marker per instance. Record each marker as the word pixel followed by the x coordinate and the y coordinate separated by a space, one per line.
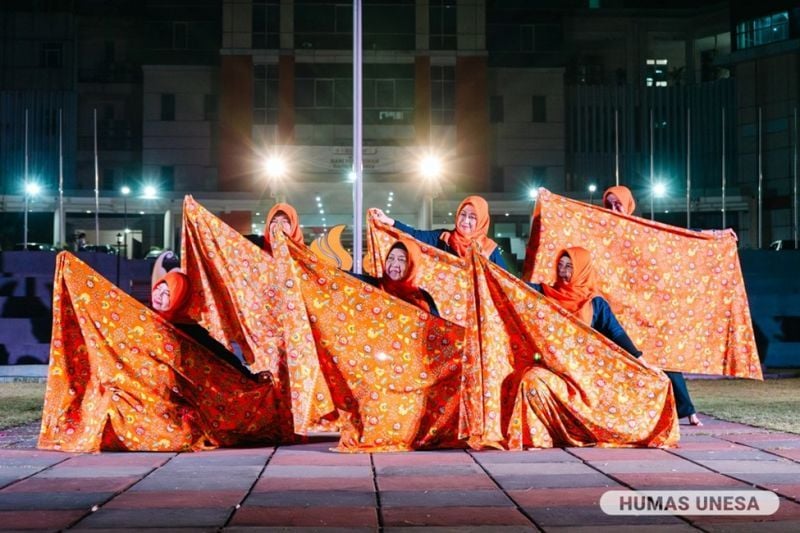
pixel 783 244
pixel 100 248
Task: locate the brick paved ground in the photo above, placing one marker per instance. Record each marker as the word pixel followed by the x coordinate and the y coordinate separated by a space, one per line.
pixel 309 488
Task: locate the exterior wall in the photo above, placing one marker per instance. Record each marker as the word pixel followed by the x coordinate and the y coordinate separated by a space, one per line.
pixel 184 143
pixel 236 123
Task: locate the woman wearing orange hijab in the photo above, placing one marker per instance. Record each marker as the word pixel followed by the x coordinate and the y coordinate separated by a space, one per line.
pixel 575 290
pixel 472 226
pixel 171 296
pixel 282 217
pixel 620 199
pixel 399 273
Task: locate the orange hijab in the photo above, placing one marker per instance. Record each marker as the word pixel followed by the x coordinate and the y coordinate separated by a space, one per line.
pixel 576 295
pixel 459 242
pixel 405 288
pixel 625 197
pixel 295 233
pixel 178 284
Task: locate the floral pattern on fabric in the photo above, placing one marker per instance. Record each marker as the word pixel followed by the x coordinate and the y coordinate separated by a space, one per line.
pixel 566 384
pixel 387 372
pixel 678 293
pixel 120 377
pixel 511 330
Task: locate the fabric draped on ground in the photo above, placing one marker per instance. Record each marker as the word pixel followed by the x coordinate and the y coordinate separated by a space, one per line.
pixel 588 392
pixel 122 378
pixel 386 372
pixel 678 293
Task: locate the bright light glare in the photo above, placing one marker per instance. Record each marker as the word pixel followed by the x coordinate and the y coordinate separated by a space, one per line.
pixel 150 191
pixel 592 187
pixel 659 190
pixel 125 190
pixel 533 193
pixel 32 189
pixel 430 166
pixel 275 166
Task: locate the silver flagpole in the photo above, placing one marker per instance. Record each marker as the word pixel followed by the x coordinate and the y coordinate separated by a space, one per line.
pixel 96 185
pixel 61 216
pixel 652 169
pixel 616 146
pixel 794 179
pixel 760 181
pixel 25 189
pixel 358 192
pixel 688 167
pixel 723 168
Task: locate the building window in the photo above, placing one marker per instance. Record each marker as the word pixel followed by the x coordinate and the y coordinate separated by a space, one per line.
pixel 265 96
pixel 496 109
pixel 180 36
pixel 443 26
pixel 763 30
pixel 167 107
pixel 168 178
pixel 389 25
pixel 538 108
pixel 108 179
pixel 656 73
pixel 210 108
pixel 325 25
pixel 388 95
pixel 266 23
pixel 324 93
pixel 52 55
pixel 443 95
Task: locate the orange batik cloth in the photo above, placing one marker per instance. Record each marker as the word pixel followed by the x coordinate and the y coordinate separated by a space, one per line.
pixel 514 333
pixel 386 371
pixel 678 293
pixel 120 377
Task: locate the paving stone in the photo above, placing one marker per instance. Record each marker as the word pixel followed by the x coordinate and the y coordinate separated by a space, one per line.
pixel 461 529
pixel 551 455
pixel 296 529
pixel 517 482
pixel 164 482
pixel 452 516
pixel 582 515
pixel 30 501
pixel 40 458
pixel 176 499
pixel 538 469
pixel 621 528
pixel 443 457
pixel 316 517
pixel 793 454
pixel 312 498
pixel 172 518
pixel 474 482
pixel 267 484
pixel 320 459
pixel 317 471
pixel 430 470
pixel 39 520
pixel 563 497
pixel 750 527
pixel 673 465
pixel 444 498
pixel 100 484
pixel 763 479
pixel 113 459
pixel 788 511
pixel 732 455
pixel 83 472
pixel 780 466
pixel 787 491
pixel 669 480
pixel 621 454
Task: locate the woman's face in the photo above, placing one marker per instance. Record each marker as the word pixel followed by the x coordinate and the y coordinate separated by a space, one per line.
pixel 613 203
pixel 160 297
pixel 564 268
pixel 467 220
pixel 279 222
pixel 396 264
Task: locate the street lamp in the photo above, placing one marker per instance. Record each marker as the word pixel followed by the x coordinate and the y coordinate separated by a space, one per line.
pixel 31 190
pixel 275 168
pixel 430 168
pixel 592 190
pixel 150 192
pixel 119 252
pixel 659 191
pixel 125 190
